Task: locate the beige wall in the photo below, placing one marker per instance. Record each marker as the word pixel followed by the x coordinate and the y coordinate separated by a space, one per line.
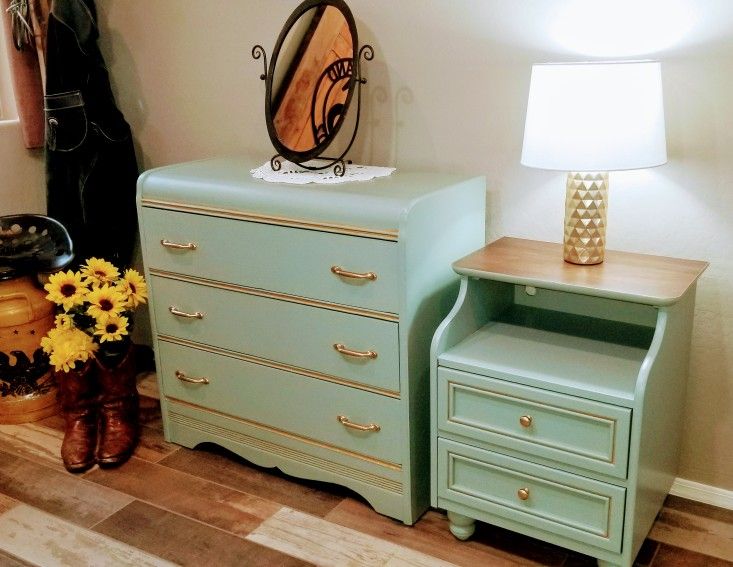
pixel 22 180
pixel 447 91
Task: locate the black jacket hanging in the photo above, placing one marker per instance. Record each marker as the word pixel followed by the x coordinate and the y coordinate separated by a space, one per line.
pixel 90 160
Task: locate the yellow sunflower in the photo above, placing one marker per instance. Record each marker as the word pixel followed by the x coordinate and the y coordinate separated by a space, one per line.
pixel 104 301
pixel 112 329
pixel 66 289
pixel 52 337
pixel 69 346
pixel 99 271
pixel 133 287
pixel 64 321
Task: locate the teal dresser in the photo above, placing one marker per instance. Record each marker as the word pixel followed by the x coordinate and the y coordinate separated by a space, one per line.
pixel 557 394
pixel 292 323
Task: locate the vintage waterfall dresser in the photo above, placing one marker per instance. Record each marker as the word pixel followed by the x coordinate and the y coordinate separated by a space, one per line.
pixel 292 323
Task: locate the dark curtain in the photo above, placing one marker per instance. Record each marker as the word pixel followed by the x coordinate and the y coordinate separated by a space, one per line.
pixel 90 158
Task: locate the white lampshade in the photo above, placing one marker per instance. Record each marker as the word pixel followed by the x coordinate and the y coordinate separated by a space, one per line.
pixel 595 117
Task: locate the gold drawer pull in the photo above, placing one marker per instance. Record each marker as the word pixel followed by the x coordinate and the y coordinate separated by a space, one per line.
pixel 343 420
pixel 339 271
pixel 175 245
pixel 178 313
pixel 183 378
pixel 355 353
pixel 523 493
pixel 525 420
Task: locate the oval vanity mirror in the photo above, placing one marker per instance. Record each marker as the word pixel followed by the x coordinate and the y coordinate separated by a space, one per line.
pixel 311 79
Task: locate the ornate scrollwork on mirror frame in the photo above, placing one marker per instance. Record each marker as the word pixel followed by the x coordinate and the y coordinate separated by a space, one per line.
pixel 309 83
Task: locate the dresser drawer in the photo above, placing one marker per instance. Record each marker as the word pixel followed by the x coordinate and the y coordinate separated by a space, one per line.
pixel 297 404
pixel 277 258
pixel 565 429
pixel 533 495
pixel 280 331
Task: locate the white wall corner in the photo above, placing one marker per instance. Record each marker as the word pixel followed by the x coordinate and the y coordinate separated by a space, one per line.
pixel 702 493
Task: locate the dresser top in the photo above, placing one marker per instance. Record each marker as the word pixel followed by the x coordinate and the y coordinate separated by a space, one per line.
pixel 226 185
pixel 641 278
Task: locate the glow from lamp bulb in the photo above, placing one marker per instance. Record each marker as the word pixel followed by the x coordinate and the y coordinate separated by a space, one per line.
pixel 621 28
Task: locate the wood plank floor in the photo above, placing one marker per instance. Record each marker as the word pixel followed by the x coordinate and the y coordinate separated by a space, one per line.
pixel 170 505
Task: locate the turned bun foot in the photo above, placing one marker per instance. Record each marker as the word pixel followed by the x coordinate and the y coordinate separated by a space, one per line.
pixel 461 526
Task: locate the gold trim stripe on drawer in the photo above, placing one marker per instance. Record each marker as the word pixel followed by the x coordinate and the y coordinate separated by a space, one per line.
pixel 279 366
pixel 294 436
pixel 382 315
pixel 538 480
pixel 287 452
pixel 381 234
pixel 611 459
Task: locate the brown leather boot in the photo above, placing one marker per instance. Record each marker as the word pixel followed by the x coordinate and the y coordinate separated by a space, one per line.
pixel 118 421
pixel 78 394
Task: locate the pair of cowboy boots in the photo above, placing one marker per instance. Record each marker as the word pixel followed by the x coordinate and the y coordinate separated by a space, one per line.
pixel 100 405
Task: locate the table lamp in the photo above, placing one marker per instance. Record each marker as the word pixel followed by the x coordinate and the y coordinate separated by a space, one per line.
pixel 589 119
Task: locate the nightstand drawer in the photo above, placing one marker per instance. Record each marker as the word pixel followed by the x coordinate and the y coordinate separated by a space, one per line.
pixel 280 331
pixel 273 398
pixel 276 258
pixel 564 429
pixel 536 496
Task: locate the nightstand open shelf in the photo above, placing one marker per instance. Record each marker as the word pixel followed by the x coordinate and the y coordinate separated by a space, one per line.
pixel 553 360
pixel 557 392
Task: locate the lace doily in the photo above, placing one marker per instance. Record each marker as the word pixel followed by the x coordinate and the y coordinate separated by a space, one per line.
pixel 293 173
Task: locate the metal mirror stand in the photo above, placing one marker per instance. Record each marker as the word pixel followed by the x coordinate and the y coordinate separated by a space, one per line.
pixel 338 70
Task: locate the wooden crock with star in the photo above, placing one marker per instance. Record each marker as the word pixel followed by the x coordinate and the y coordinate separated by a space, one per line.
pixel 27 388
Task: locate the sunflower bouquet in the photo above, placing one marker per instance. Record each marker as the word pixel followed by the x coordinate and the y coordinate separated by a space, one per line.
pixel 94 318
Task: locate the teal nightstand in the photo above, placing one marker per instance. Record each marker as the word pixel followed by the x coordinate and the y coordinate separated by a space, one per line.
pixel 557 394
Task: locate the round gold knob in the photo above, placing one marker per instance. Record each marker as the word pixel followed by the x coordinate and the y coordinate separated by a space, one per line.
pixel 525 420
pixel 523 493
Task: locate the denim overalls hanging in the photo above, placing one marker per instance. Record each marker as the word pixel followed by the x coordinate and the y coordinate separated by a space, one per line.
pixel 90 160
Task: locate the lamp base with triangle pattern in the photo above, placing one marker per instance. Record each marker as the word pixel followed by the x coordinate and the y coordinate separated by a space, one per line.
pixel 585 217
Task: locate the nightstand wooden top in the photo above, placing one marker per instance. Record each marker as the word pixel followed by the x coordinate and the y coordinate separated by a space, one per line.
pixel 641 278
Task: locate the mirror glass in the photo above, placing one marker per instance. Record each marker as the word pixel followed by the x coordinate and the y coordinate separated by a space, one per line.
pixel 311 78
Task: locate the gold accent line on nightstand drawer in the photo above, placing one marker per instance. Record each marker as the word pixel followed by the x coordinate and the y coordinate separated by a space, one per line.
pixel 280 366
pixel 381 234
pixel 294 436
pixel 538 481
pixel 611 459
pixel 382 315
